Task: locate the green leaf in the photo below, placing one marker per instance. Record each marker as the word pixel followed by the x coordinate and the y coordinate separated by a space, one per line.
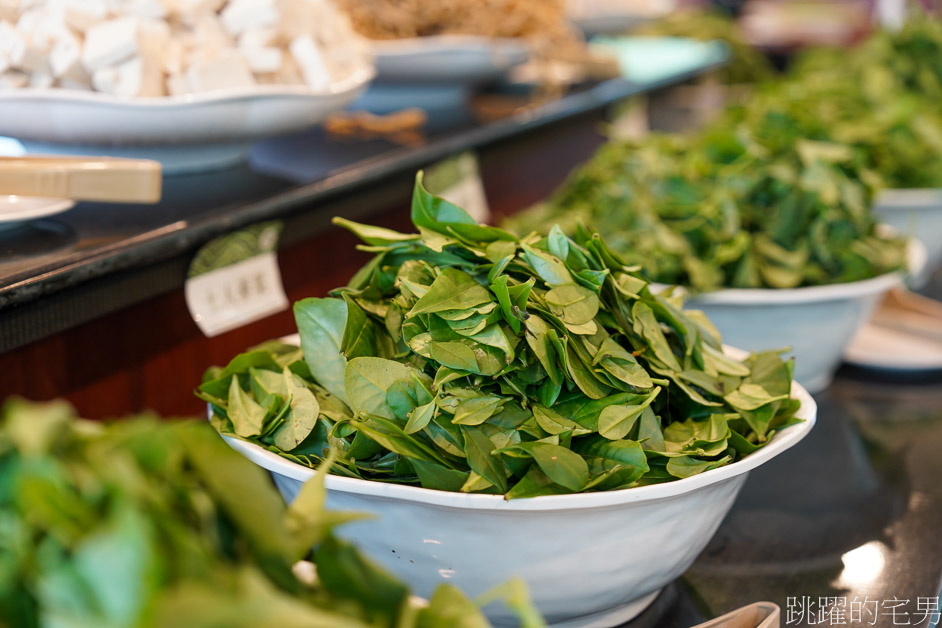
pixel 479 450
pixel 347 575
pixel 687 466
pixel 751 397
pixel 302 416
pixel 449 608
pixel 435 213
pixel 246 414
pixel 476 410
pixel 321 324
pixel 420 417
pixel 548 267
pixel 455 355
pixel 561 465
pixel 437 477
pixel 451 290
pixel 574 304
pixel 616 421
pixel 368 379
pixel 391 436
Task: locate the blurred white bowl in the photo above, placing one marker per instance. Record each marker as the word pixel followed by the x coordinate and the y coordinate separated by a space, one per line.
pixel 816 323
pixel 448 59
pixel 185 133
pixel 590 559
pixel 916 213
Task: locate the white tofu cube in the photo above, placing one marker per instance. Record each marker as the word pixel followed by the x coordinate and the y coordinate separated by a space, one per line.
pixel 240 15
pixel 43 27
pixel 186 10
pixel 173 57
pixel 20 55
pixel 110 43
pixel 134 77
pixel 226 71
pixel 41 81
pixel 65 58
pixel 311 62
pixel 263 60
pixel 81 15
pixel 255 38
pixel 144 8
pixel 178 85
pixel 83 86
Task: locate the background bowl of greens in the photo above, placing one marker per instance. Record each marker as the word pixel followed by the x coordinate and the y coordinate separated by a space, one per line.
pixel 512 405
pixel 588 559
pixel 815 323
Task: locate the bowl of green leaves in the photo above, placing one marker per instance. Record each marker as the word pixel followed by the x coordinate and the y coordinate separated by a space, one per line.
pixel 770 233
pixel 509 405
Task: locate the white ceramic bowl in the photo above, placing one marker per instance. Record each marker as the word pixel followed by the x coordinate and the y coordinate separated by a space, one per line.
pixel 185 133
pixel 591 559
pixel 448 59
pixel 816 323
pixel 916 213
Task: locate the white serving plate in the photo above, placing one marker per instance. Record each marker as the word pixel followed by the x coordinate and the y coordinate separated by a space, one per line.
pixel 15 210
pixel 878 347
pixel 448 59
pixel 185 133
pixel 590 560
pixel 916 213
pixel 816 323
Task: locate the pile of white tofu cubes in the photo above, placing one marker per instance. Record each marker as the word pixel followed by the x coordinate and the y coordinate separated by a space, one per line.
pixel 153 48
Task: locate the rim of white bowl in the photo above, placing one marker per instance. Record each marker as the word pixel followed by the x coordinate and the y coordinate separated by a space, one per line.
pixel 780 441
pixel 434 43
pixel 916 260
pixel 908 199
pixel 351 83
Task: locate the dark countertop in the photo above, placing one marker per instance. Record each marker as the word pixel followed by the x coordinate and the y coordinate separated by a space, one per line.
pixel 853 512
pixel 284 175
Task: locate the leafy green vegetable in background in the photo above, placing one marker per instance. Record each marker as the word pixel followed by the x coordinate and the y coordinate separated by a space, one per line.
pixel 149 523
pixel 465 358
pixel 739 205
pixel 775 193
pixel 880 98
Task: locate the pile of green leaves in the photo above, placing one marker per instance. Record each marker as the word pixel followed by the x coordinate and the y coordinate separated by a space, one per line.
pixel 750 202
pixel 880 98
pixel 150 523
pixel 463 358
pixel 777 192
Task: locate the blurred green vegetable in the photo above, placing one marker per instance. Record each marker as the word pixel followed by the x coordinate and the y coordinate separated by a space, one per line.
pixel 777 192
pixel 148 523
pixel 464 358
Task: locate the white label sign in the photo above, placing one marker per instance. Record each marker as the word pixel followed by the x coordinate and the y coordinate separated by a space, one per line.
pixel 236 295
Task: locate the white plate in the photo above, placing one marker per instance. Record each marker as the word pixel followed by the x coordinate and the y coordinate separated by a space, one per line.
pixel 14 210
pixel 447 59
pixel 878 347
pixel 191 132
